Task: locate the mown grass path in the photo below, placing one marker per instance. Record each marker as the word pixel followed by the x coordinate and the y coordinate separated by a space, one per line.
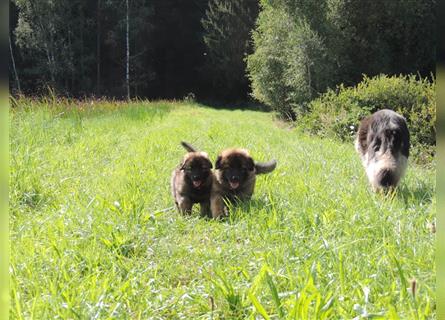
pixel 90 236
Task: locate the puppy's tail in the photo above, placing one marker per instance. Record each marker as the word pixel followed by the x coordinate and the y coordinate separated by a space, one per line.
pixel 265 167
pixel 187 146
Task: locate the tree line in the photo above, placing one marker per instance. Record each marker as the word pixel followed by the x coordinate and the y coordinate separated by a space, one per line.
pixel 284 53
pixel 147 48
pixel 302 48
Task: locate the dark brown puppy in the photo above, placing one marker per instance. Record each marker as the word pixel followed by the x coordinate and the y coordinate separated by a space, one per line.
pixel 234 178
pixel 191 181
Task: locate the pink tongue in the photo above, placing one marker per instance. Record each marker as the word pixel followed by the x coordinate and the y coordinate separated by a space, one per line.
pixel 234 185
pixel 196 183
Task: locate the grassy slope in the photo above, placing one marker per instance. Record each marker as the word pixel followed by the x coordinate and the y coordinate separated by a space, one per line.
pixel 89 237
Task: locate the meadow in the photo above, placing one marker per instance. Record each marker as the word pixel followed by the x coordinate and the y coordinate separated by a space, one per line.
pixel 94 234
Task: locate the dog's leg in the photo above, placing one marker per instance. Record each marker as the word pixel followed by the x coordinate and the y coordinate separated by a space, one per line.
pixel 217 206
pixel 246 193
pixel 205 209
pixel 185 206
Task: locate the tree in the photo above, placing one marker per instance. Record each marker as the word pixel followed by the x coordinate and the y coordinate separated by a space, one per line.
pixel 49 36
pixel 150 48
pixel 227 25
pixel 178 49
pixel 98 45
pixel 36 31
pixel 127 42
pixel 14 67
pixel 290 63
pixel 126 48
pixel 302 48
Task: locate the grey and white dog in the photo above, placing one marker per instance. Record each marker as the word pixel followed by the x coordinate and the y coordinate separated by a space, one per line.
pixel 383 144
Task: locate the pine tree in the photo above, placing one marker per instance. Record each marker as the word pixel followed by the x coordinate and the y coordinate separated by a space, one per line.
pixel 228 25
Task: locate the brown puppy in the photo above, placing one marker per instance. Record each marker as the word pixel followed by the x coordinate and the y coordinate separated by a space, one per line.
pixel 234 178
pixel 191 181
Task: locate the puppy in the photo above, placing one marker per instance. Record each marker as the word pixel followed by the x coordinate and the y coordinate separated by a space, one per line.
pixel 234 178
pixel 383 144
pixel 191 181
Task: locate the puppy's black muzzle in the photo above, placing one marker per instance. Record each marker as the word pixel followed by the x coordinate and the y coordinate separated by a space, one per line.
pixel 386 178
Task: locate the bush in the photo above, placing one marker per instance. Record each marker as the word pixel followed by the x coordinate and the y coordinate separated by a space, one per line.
pixel 338 113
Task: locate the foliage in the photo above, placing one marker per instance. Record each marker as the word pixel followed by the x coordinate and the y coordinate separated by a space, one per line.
pixel 45 35
pixel 78 47
pixel 73 46
pixel 178 49
pixel 227 26
pixel 338 113
pixel 302 48
pixel 286 68
pixel 94 233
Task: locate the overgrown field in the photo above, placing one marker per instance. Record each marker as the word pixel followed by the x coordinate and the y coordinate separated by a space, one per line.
pixel 94 234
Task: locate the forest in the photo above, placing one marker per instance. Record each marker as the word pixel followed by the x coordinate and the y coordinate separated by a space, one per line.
pixel 277 52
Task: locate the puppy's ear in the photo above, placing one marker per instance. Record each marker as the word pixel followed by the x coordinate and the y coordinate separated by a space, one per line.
pixel 218 162
pixel 250 164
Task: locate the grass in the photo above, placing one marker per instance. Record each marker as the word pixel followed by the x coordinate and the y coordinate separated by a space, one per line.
pixel 94 234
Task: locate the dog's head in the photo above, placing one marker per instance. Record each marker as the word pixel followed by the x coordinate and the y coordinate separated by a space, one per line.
pixel 235 167
pixel 383 140
pixel 197 168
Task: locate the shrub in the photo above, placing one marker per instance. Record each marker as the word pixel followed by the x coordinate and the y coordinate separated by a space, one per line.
pixel 338 113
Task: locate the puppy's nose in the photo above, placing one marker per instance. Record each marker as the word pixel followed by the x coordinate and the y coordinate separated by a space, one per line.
pixel 386 178
pixel 194 177
pixel 234 178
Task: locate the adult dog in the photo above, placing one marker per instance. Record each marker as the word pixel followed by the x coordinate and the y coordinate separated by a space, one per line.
pixel 191 181
pixel 383 144
pixel 234 178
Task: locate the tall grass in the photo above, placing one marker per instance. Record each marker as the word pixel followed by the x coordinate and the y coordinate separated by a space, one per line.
pixel 94 233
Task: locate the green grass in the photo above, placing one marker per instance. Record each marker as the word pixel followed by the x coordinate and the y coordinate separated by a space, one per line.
pixel 94 235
